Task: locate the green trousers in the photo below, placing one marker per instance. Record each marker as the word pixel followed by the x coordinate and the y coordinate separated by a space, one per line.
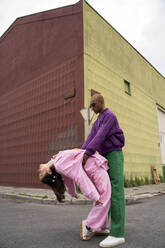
pixel 117 209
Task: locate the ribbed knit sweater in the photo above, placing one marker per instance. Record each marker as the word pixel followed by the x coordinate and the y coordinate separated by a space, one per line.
pixel 105 136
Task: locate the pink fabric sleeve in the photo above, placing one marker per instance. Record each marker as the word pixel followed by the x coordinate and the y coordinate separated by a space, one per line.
pixel 70 186
pixel 68 163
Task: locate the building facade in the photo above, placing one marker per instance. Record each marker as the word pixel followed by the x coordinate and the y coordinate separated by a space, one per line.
pixel 133 90
pixel 41 92
pixel 50 64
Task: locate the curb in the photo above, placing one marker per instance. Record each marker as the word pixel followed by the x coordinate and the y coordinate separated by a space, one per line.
pixel 48 201
pixel 26 199
pixel 137 198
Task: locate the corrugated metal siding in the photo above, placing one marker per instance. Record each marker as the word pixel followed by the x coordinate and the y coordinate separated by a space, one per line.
pixel 36 120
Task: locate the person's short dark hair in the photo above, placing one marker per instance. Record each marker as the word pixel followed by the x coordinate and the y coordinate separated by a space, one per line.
pixel 55 182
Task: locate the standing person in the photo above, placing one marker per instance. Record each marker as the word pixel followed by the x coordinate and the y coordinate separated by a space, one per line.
pixel 66 169
pixel 107 138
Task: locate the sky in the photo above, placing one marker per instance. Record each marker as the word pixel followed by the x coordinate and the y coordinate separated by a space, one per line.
pixel 140 22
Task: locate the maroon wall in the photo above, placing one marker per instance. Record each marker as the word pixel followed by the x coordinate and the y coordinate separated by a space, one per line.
pixel 41 92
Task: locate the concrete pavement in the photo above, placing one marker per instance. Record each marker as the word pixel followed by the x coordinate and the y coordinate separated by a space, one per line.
pixel 46 196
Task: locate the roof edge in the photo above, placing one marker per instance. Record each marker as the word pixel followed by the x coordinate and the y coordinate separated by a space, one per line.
pixel 34 17
pixel 126 40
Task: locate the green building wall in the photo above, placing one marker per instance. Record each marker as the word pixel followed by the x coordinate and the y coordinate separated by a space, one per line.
pixel 109 60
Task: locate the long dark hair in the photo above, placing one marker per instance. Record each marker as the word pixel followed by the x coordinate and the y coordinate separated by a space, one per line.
pixel 56 183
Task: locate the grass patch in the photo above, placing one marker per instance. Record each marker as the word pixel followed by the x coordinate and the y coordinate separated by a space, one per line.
pixel 162 179
pixel 137 181
pixel 78 189
pixel 35 196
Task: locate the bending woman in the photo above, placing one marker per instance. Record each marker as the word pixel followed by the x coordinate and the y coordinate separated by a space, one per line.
pixel 66 169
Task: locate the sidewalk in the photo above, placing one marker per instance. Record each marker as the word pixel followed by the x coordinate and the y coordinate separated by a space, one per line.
pixel 46 196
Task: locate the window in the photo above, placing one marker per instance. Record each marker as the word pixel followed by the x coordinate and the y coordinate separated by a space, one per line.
pixel 127 87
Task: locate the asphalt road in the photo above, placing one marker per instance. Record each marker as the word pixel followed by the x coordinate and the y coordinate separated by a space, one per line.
pixel 29 225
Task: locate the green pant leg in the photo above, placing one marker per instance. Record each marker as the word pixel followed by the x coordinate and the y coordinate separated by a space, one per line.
pixel 117 209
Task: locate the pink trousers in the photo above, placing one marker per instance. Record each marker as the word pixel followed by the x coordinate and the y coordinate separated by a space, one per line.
pixel 93 181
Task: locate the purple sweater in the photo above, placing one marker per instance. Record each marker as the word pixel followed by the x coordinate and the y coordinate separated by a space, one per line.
pixel 106 135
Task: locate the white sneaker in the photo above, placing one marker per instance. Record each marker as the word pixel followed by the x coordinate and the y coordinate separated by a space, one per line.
pixel 111 241
pixel 85 234
pixel 104 231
